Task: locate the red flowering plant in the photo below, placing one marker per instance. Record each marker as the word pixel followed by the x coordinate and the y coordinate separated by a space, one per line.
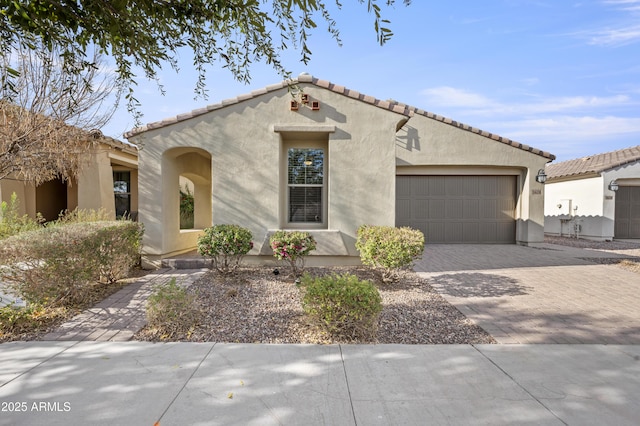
pixel 292 247
pixel 226 245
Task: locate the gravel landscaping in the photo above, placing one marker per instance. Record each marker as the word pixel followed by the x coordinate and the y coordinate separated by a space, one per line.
pixel 256 306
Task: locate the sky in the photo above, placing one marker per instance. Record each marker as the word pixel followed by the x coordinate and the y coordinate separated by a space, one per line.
pixel 562 76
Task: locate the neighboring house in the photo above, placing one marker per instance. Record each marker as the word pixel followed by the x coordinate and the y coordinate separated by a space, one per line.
pixel 313 155
pixel 595 197
pixel 108 180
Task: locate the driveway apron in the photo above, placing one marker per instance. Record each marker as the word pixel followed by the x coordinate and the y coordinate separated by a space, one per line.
pixel 543 294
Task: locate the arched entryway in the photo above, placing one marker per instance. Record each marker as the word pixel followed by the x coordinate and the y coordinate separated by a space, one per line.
pixel 180 165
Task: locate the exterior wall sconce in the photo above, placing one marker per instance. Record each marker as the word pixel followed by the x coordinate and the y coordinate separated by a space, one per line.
pixel 541 177
pixel 613 185
pixel 304 98
pixel 294 105
pixel 315 105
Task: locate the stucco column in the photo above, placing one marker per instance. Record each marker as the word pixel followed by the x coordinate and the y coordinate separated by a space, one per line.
pixel 95 185
pixel 530 224
pixel 150 205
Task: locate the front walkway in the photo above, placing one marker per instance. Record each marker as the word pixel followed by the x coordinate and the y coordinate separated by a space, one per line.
pixel 121 315
pixel 547 294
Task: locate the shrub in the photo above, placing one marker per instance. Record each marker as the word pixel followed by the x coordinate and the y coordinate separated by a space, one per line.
pixel 16 321
pixel 226 245
pixel 172 311
pixel 389 248
pixel 55 266
pixel 11 222
pixel 292 247
pixel 343 305
pixel 187 204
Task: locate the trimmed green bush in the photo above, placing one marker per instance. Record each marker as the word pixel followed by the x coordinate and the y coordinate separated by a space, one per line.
pixel 345 306
pixel 55 266
pixel 391 249
pixel 292 247
pixel 172 311
pixel 226 245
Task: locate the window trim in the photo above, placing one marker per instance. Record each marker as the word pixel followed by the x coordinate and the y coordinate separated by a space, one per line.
pixel 311 143
pixel 126 193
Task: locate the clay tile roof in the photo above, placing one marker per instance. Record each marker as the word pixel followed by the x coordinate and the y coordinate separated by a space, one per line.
pixel 594 163
pixel 394 106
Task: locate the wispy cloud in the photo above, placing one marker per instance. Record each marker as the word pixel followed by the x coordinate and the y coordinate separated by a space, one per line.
pixel 557 124
pixel 615 36
pixel 628 5
pixel 477 104
pixel 623 30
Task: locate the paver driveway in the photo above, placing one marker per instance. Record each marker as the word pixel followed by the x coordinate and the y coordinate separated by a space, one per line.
pixel 545 294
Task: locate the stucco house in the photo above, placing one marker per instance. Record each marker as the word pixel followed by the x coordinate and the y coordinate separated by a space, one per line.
pixel 108 180
pixel 595 197
pixel 309 154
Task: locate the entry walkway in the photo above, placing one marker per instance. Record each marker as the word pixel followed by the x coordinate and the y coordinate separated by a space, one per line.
pixel 544 294
pixel 121 315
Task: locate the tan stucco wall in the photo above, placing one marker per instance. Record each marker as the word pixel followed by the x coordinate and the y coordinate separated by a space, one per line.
pixel 428 146
pixel 92 190
pixel 244 141
pixel 26 195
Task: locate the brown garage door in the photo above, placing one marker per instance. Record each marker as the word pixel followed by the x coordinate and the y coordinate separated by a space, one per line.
pixel 458 209
pixel 627 217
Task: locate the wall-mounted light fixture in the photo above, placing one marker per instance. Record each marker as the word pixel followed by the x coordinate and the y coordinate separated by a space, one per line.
pixel 541 177
pixel 613 185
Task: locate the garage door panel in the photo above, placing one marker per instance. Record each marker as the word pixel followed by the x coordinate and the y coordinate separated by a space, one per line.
pixel 505 231
pixel 436 186
pixel 471 232
pixel 627 216
pixel 403 210
pixel 454 187
pixel 472 208
pixel 455 209
pixel 437 210
pixel 454 231
pixel 459 209
pixel 488 209
pixel 403 189
pixel 435 231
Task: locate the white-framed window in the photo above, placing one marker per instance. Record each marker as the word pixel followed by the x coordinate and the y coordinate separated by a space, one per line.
pixel 305 191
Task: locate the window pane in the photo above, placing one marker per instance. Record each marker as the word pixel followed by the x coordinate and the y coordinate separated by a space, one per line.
pixel 305 204
pixel 305 166
pixel 121 182
pixel 123 205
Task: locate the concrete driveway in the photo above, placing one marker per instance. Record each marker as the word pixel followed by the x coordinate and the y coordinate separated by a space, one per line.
pixel 544 294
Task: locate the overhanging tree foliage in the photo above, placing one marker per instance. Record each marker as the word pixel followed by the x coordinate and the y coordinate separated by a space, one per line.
pixel 149 33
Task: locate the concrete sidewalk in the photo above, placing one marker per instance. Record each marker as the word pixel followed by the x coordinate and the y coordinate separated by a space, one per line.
pixel 141 383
